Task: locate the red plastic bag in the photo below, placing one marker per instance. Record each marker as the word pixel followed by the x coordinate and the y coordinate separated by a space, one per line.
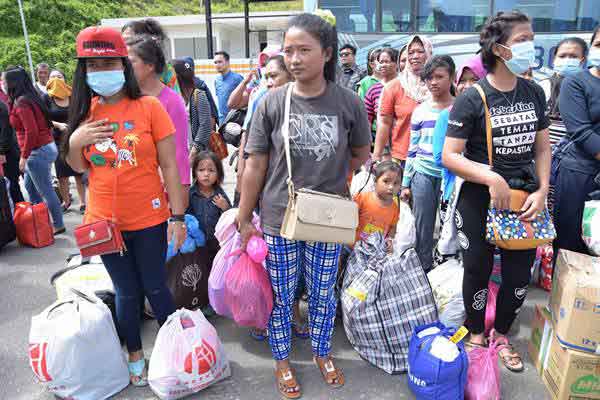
pixel 33 224
pixel 547 254
pixel 483 378
pixel 248 292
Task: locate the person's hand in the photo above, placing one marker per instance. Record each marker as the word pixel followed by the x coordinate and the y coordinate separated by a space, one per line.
pixel 499 193
pixel 389 245
pixel 406 195
pixel 247 230
pixel 535 204
pixel 22 164
pixel 221 202
pixel 177 233
pixel 61 126
pixel 91 132
pixel 250 77
pixel 193 153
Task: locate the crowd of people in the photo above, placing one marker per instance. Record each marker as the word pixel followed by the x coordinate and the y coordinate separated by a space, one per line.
pixel 134 130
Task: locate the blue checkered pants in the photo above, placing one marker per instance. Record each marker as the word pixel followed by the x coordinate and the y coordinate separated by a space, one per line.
pixel 285 262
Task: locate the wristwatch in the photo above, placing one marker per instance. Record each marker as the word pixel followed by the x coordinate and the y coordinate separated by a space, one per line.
pixel 177 218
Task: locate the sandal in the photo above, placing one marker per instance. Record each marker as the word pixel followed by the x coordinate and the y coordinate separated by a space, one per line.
pixel 259 334
pixel 513 360
pixel 301 330
pixel 286 383
pixel 469 345
pixel 66 206
pixel 138 373
pixel 331 375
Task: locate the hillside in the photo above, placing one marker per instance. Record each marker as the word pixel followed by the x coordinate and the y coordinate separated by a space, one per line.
pixel 53 24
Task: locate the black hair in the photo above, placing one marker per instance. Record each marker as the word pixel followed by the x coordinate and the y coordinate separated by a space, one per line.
pixel 402 50
pixel 149 50
pixel 224 54
pixel 325 33
pixel 497 30
pixel 281 62
pixel 556 79
pixel 349 47
pixel 209 155
pixel 441 61
pixel 185 76
pixel 386 166
pixel 81 97
pixel 373 55
pixel 146 26
pixel 596 30
pixel 393 53
pixel 20 87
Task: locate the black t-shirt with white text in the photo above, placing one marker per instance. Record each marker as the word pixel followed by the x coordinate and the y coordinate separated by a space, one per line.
pixel 516 117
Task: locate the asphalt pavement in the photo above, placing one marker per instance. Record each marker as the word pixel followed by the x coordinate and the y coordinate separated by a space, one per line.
pixel 25 291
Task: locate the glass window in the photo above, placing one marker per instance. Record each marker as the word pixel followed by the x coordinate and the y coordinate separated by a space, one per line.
pixel 451 15
pixel 555 15
pixel 352 15
pixel 396 15
pixel 192 47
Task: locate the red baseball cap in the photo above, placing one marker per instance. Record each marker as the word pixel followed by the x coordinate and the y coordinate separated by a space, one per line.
pixel 100 42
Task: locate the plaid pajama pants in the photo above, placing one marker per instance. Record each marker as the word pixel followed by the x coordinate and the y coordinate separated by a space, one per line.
pixel 285 262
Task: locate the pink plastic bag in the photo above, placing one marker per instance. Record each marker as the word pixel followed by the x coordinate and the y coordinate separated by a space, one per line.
pixel 230 241
pixel 248 292
pixel 483 378
pixel 490 308
pixel 257 249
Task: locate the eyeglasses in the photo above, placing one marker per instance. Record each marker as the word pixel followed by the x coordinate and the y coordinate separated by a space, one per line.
pixel 345 54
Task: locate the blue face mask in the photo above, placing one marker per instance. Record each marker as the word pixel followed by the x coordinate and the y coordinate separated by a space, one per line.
pixel 593 59
pixel 523 57
pixel 567 66
pixel 106 83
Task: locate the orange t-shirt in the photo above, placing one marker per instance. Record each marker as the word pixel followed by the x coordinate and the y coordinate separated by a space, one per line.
pixel 374 217
pixel 130 157
pixel 396 104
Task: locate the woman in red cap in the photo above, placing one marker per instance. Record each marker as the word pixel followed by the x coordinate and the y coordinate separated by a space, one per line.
pixel 123 138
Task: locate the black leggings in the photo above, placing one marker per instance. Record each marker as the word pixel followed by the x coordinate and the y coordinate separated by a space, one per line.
pixel 478 259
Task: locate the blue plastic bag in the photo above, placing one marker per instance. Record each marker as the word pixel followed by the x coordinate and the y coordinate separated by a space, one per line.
pixel 431 378
pixel 195 238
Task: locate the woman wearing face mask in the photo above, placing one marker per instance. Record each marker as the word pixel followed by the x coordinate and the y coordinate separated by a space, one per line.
pixel 320 112
pixel 123 138
pixel 148 61
pixel 520 137
pixel 399 99
pixel 31 121
pixel 576 164
pixel 373 74
pixel 58 100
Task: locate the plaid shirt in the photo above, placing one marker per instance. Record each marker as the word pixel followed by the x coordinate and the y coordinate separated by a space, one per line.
pixel 384 298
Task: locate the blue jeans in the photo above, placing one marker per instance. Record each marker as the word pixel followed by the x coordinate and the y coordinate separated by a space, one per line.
pixel 425 202
pixel 140 272
pixel 38 181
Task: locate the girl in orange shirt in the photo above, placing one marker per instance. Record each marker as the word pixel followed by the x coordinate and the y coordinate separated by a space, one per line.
pixel 377 210
pixel 123 138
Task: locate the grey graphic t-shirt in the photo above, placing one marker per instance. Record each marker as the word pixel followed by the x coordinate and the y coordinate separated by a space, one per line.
pixel 516 117
pixel 323 129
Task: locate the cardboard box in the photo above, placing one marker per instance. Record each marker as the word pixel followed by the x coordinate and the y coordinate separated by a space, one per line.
pixel 575 301
pixel 571 374
pixel 541 337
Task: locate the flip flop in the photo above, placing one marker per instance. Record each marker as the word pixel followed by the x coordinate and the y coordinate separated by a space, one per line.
pixel 138 373
pixel 287 384
pixel 259 336
pixel 509 359
pixel 331 373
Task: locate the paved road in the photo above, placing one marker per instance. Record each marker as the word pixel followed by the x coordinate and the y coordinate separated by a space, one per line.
pixel 25 291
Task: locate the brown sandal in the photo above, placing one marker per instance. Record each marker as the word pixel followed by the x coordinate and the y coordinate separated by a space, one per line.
pixel 331 375
pixel 286 383
pixel 512 361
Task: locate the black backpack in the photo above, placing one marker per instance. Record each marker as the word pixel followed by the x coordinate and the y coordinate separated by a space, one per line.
pixel 231 128
pixel 8 231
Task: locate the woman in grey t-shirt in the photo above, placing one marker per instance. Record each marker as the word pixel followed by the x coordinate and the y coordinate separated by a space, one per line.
pixel 329 135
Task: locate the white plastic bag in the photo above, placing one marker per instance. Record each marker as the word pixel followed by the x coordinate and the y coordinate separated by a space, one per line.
pixel 87 276
pixel 448 243
pixel 188 356
pixel 74 349
pixel 590 229
pixel 406 233
pixel 446 283
pixel 362 182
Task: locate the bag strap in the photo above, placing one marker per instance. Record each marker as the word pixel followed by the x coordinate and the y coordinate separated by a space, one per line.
pixel 285 132
pixel 488 123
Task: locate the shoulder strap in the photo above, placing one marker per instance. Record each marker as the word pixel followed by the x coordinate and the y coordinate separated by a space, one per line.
pixel 488 123
pixel 285 132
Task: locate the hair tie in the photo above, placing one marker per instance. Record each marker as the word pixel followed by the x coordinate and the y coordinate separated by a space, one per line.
pixel 326 15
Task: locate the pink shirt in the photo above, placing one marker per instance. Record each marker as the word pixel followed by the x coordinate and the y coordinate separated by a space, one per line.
pixel 173 103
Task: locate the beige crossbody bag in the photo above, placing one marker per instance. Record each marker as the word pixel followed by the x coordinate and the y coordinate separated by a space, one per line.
pixel 310 215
